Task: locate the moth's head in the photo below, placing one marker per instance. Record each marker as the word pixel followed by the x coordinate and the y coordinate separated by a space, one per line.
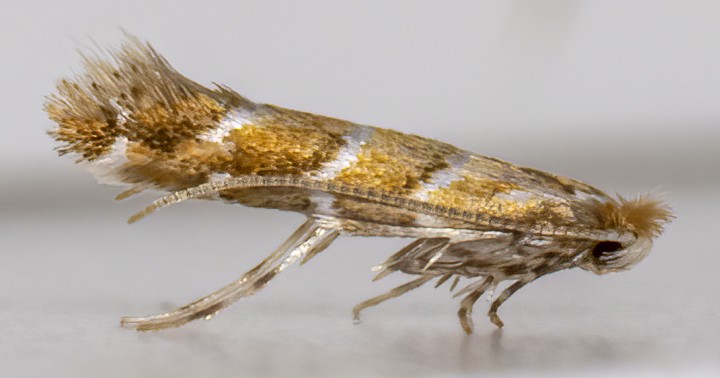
pixel 612 256
pixel 642 217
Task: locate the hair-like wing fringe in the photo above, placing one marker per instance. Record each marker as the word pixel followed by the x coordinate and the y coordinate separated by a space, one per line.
pixel 133 92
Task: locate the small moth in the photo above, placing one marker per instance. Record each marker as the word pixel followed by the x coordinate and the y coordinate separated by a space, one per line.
pixel 133 120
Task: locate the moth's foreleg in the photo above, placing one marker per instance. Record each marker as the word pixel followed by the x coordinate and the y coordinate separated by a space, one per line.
pixel 396 292
pixel 466 306
pixel 307 241
pixel 492 313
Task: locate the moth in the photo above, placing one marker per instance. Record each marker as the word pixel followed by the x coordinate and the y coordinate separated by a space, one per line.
pixel 133 120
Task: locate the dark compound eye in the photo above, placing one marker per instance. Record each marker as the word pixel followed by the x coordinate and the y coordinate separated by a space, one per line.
pixel 604 248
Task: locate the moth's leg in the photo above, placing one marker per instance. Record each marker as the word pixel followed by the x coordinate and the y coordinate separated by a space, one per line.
pixel 308 240
pixel 466 306
pixel 492 313
pixel 396 292
pixel 443 279
pixel 474 286
pixel 410 254
pixel 455 283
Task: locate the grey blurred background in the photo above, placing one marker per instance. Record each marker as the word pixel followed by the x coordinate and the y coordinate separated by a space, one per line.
pixel 620 94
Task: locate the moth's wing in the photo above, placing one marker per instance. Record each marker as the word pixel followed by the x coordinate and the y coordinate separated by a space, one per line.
pixel 519 198
pixel 343 207
pixel 312 197
pixel 351 203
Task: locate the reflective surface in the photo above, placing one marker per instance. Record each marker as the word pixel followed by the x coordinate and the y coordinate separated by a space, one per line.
pixel 69 271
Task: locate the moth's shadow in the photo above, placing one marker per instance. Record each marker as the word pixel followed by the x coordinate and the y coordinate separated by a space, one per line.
pixel 507 350
pixel 272 347
pixel 503 351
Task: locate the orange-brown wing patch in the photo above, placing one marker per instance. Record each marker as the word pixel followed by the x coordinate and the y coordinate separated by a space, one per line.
pixel 190 164
pixel 499 204
pixel 280 149
pixel 508 194
pixel 165 126
pixel 395 162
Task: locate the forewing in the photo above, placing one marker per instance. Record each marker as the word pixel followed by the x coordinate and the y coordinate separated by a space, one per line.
pixel 523 199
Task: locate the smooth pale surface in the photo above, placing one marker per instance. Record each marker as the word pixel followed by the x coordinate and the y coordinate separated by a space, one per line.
pixel 623 95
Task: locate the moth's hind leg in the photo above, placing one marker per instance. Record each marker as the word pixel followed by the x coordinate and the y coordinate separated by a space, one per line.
pixel 306 242
pixel 408 260
pixel 415 258
pixel 410 257
pixel 394 293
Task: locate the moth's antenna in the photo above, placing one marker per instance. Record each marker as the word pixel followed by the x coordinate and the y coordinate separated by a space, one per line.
pixel 171 199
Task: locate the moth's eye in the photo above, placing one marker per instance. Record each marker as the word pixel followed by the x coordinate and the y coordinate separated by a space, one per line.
pixel 605 248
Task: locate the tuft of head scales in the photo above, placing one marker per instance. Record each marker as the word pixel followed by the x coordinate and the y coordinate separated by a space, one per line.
pixel 134 93
pixel 643 215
